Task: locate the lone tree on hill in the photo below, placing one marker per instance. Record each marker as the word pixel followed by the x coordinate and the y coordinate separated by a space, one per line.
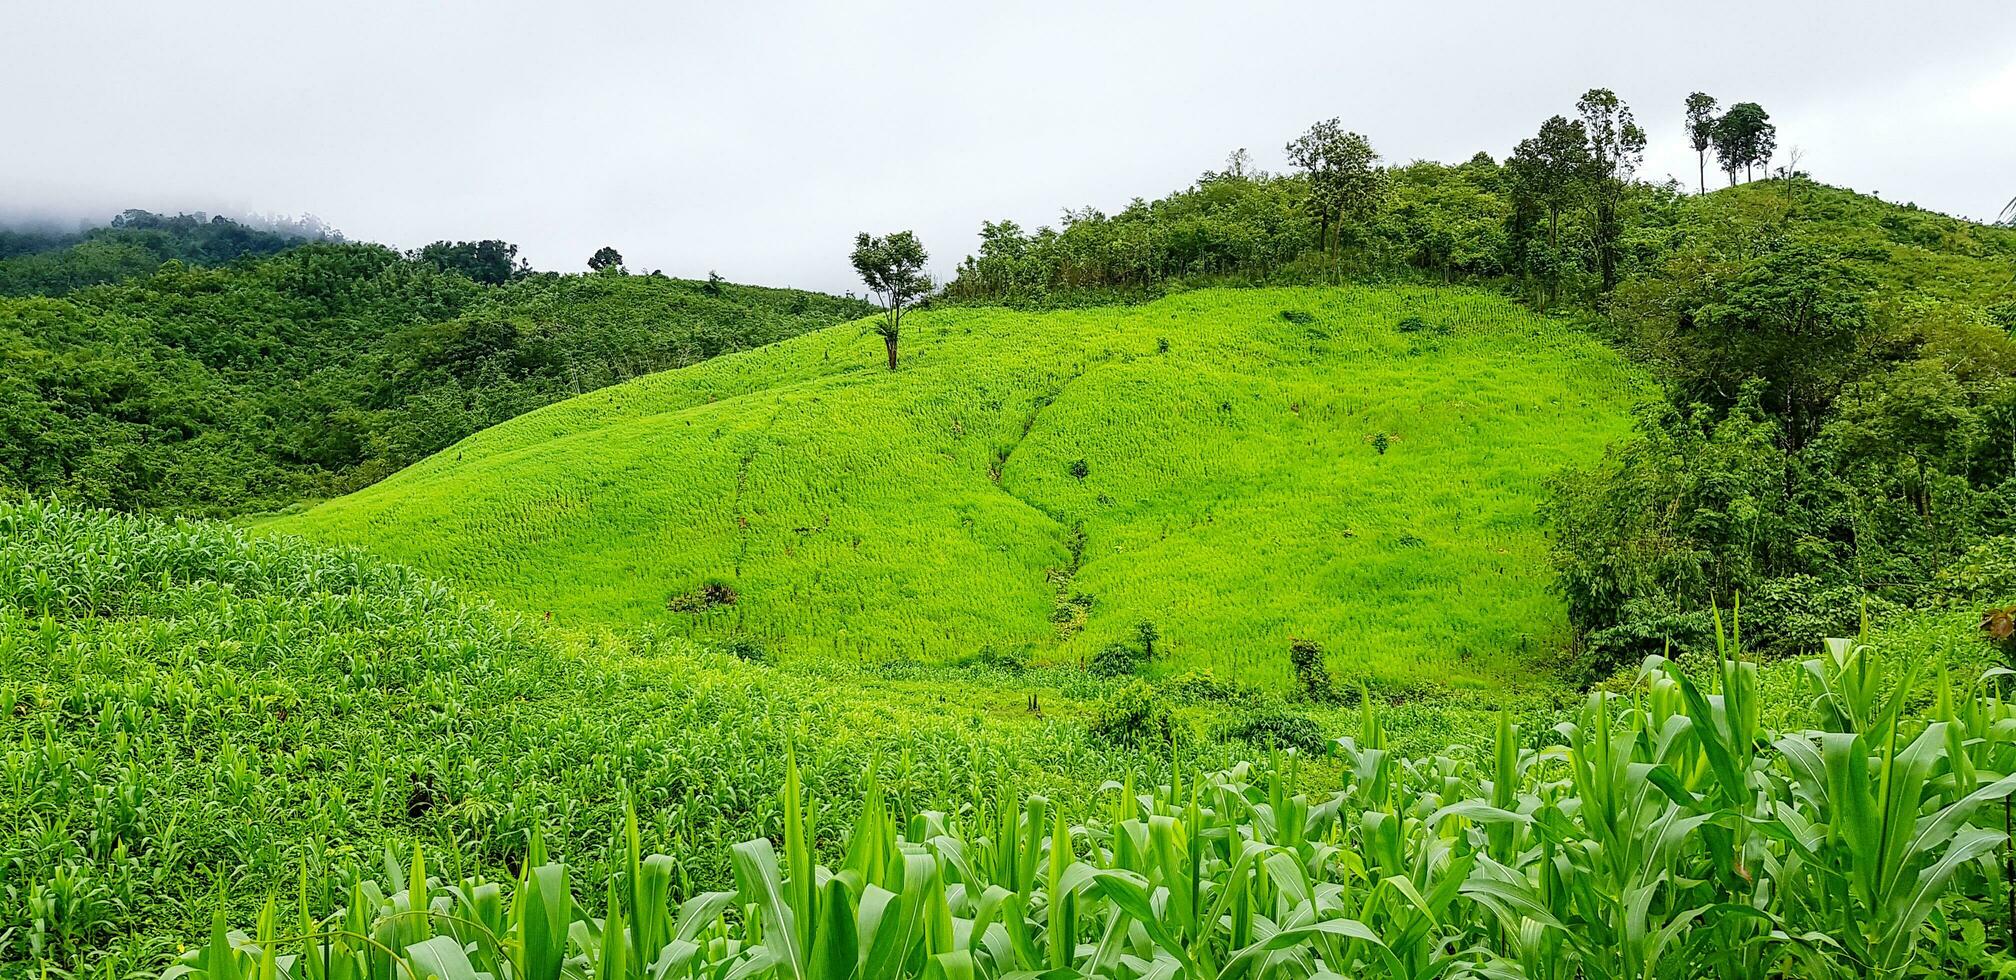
pixel 1701 132
pixel 893 268
pixel 605 257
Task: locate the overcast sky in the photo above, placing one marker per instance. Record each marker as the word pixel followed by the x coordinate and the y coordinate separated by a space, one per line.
pixel 756 139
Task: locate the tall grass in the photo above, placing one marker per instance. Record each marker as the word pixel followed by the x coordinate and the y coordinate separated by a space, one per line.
pixel 1661 833
pixel 1357 467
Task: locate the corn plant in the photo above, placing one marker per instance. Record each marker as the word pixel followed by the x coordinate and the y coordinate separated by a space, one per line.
pixel 1660 833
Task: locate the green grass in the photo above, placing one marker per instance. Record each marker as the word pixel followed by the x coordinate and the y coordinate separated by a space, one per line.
pixel 1233 494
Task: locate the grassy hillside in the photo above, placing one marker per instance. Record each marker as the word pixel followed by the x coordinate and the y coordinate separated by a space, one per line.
pixel 1357 467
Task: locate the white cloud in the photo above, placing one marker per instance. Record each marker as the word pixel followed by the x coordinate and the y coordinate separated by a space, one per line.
pixel 757 138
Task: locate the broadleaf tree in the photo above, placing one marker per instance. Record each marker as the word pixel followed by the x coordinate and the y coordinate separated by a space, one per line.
pixel 893 268
pixel 1745 138
pixel 605 257
pixel 1701 132
pixel 1616 148
pixel 1346 184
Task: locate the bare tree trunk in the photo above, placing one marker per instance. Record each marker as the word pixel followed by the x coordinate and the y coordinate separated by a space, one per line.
pixel 890 341
pixel 1701 164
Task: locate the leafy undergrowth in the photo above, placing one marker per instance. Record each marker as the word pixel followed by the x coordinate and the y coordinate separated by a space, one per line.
pixel 1669 833
pixel 1241 470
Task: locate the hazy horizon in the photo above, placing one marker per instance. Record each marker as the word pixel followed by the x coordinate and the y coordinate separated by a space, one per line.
pixel 756 141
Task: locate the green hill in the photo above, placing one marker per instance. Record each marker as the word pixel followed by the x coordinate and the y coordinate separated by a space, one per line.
pixel 1358 467
pixel 316 371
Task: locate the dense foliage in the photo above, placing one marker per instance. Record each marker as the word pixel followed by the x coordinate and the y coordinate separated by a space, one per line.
pixel 328 366
pixel 1841 392
pixel 37 261
pixel 1671 834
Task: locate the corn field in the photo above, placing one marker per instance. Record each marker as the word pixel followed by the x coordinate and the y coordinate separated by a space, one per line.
pixel 1659 833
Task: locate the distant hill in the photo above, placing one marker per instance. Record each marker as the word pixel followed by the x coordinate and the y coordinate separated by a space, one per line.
pixel 1355 467
pixel 267 381
pixel 39 260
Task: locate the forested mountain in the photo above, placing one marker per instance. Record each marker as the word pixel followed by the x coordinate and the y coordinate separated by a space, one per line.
pixel 322 368
pixel 38 260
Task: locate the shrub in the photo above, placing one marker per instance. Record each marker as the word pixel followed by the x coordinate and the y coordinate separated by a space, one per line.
pixel 1297 316
pixel 1116 660
pixel 1013 660
pixel 1277 727
pixel 1136 715
pixel 1080 469
pixel 748 649
pixel 1147 633
pixel 1312 675
pixel 1986 573
pixel 707 595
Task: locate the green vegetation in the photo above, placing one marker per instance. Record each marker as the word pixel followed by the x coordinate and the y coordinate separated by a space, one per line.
pixel 44 262
pixel 182 705
pixel 1015 594
pixel 1205 463
pixel 1841 385
pixel 326 367
pixel 1668 834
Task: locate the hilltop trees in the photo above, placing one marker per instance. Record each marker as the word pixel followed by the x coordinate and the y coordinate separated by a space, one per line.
pixel 1547 172
pixel 490 262
pixel 605 257
pixel 1616 148
pixel 1744 138
pixel 1346 184
pixel 1701 133
pixel 893 268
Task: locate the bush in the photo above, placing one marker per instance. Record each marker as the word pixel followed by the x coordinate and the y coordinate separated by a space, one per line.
pixel 1136 715
pixel 1013 660
pixel 1080 469
pixel 749 650
pixel 1986 573
pixel 1312 675
pixel 1276 727
pixel 1116 660
pixel 707 595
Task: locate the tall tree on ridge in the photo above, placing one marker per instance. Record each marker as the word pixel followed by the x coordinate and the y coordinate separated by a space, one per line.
pixel 1744 138
pixel 893 268
pixel 1547 169
pixel 1346 183
pixel 605 257
pixel 1701 132
pixel 1616 148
